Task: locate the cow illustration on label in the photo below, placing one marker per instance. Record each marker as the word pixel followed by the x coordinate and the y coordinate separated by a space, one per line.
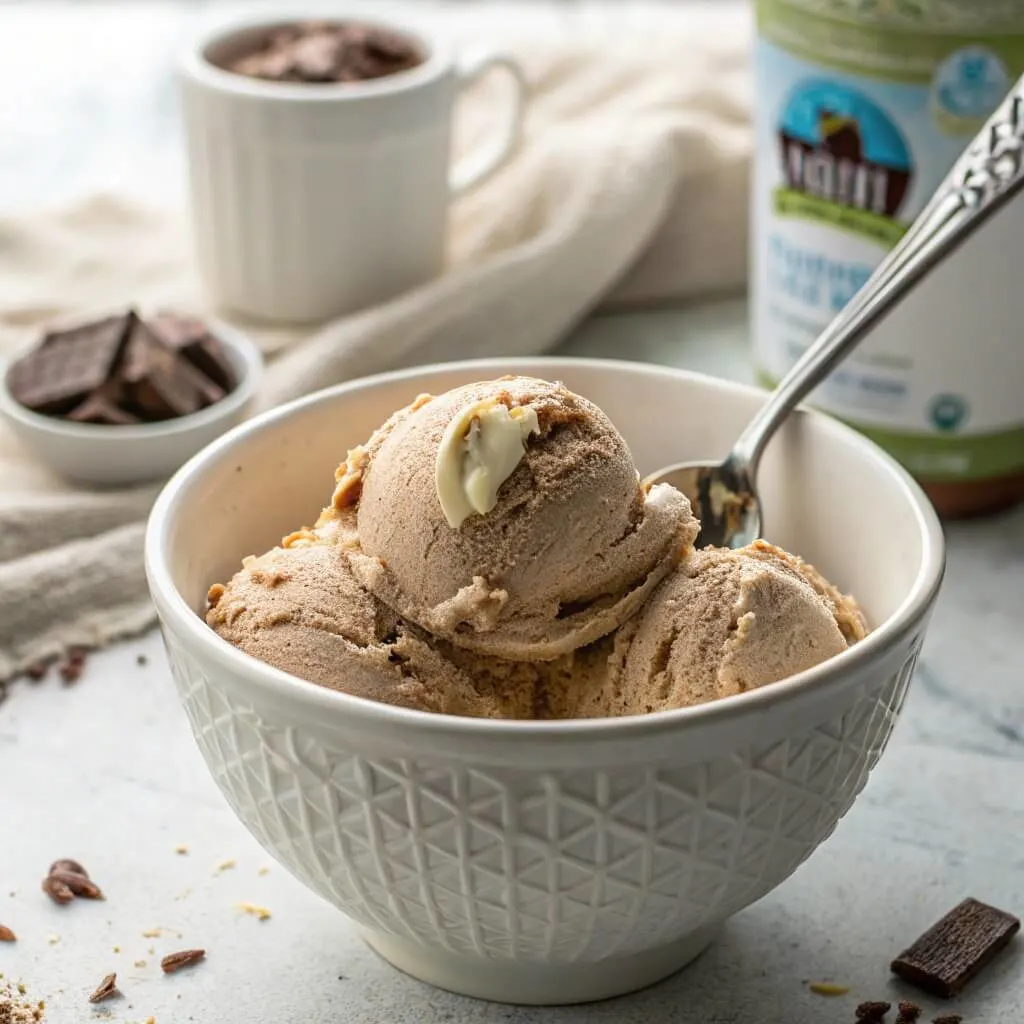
pixel 843 162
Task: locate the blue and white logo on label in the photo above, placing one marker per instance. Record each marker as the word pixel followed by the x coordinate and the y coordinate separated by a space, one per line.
pixel 970 83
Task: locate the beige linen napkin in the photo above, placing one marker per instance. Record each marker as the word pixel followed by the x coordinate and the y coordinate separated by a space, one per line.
pixel 630 186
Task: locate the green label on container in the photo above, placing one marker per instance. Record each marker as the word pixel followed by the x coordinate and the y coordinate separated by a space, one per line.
pixel 871 47
pixel 943 457
pixel 875 226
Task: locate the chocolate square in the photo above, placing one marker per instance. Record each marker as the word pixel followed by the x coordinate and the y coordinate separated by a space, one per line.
pixel 69 365
pixel 193 340
pixel 956 948
pixel 159 382
pixel 104 406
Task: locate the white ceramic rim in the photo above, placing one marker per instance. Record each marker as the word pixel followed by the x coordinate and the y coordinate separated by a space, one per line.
pixel 195 65
pixel 188 625
pixel 250 360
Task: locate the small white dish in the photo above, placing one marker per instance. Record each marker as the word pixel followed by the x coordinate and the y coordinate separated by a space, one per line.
pixel 98 455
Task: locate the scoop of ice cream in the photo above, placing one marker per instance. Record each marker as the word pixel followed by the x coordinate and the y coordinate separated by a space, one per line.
pixel 300 609
pixel 568 546
pixel 491 553
pixel 848 614
pixel 725 622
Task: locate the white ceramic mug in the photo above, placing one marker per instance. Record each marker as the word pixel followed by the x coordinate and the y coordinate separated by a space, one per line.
pixel 312 201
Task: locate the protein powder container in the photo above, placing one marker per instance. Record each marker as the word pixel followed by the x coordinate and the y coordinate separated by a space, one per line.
pixel 862 107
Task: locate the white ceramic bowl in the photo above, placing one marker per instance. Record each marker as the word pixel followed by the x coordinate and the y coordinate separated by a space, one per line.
pixel 105 456
pixel 546 862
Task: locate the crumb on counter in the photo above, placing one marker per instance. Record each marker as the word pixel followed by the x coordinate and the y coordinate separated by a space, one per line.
pixel 828 988
pixel 260 913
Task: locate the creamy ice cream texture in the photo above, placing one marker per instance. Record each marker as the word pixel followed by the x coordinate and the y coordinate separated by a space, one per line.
pixel 571 547
pixel 726 622
pixel 491 552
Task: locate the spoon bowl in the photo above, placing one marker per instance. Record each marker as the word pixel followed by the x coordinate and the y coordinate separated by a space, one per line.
pixel 722 497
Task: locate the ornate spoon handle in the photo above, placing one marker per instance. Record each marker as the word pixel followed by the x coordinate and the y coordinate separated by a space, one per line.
pixel 988 174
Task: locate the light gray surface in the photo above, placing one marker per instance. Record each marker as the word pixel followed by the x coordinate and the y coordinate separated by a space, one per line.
pixel 106 771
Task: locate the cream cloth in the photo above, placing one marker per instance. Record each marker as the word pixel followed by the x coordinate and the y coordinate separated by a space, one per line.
pixel 631 186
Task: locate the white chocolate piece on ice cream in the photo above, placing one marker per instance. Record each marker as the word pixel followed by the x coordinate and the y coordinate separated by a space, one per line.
pixel 481 447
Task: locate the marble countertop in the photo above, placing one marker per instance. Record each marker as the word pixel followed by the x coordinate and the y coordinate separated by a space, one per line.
pixel 106 770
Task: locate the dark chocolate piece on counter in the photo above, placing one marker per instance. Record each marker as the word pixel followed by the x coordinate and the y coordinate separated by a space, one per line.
pixel 193 340
pixel 956 948
pixel 69 365
pixel 159 383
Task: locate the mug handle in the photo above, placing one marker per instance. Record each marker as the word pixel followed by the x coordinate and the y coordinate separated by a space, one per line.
pixel 477 167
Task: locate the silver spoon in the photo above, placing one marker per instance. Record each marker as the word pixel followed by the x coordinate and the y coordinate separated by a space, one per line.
pixel 988 173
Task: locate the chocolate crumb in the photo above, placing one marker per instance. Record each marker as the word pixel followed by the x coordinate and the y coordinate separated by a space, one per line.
pixel 107 989
pixel 70 673
pixel 872 1012
pixel 67 879
pixel 72 668
pixel 141 659
pixel 6 935
pixel 908 1012
pixel 67 864
pixel 57 890
pixel 80 885
pixel 37 670
pixel 185 958
pixel 949 1018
